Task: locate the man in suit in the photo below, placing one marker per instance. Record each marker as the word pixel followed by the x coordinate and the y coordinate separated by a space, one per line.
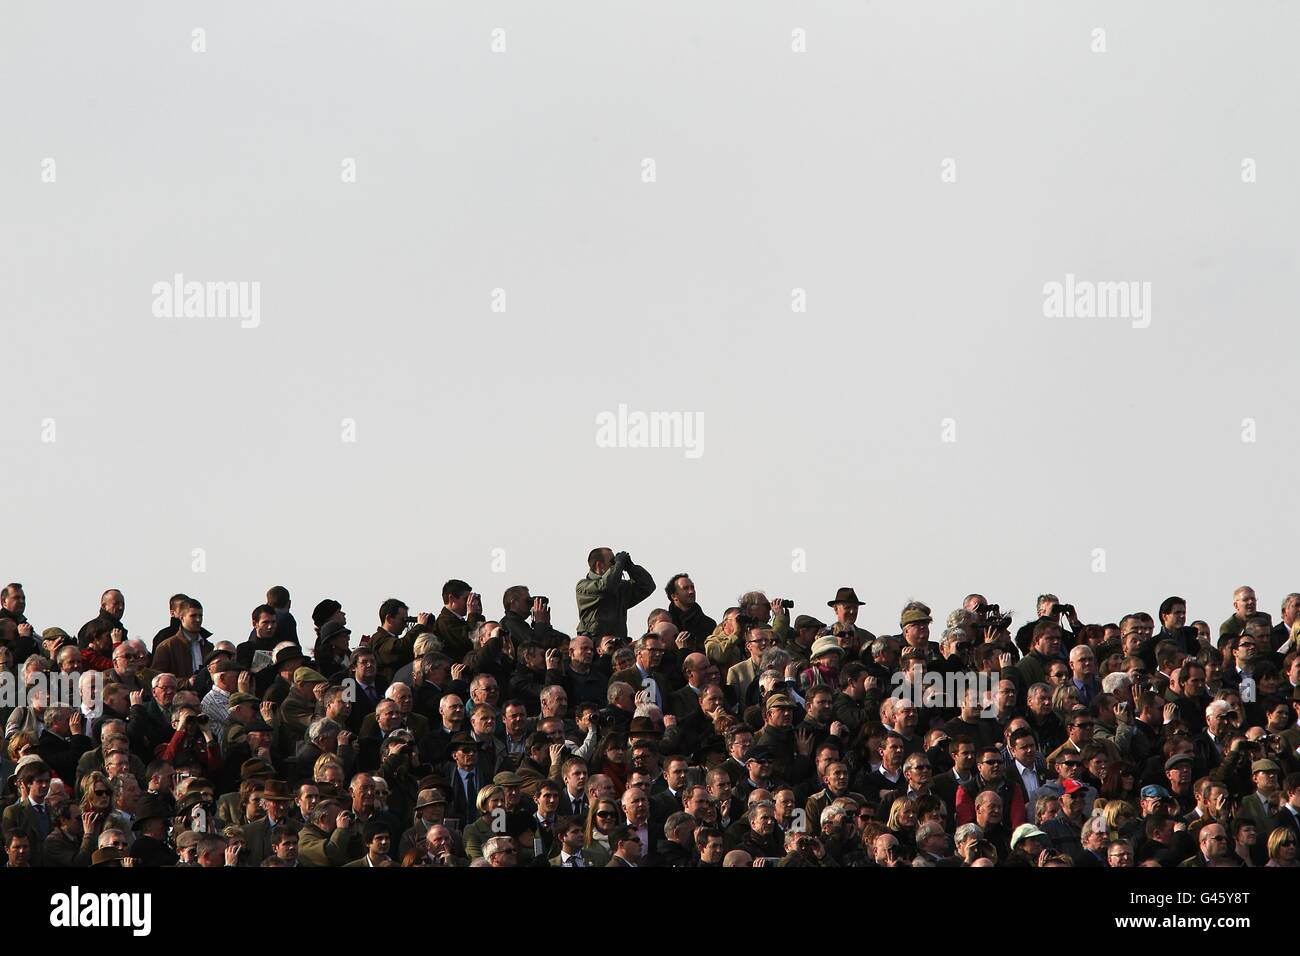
pixel 1258 806
pixel 572 853
pixel 627 848
pixel 377 838
pixel 466 780
pixel 277 798
pixel 29 815
pixel 60 745
pixel 685 702
pixel 1289 815
pixel 645 675
pixel 183 653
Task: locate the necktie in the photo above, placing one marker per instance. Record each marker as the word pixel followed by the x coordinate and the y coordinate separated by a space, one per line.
pixel 471 793
pixel 42 821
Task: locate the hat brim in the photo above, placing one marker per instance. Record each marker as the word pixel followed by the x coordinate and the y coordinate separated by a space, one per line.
pixel 849 603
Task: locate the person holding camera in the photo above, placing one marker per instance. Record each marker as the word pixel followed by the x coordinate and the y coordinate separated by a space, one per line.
pixel 192 742
pixel 613 585
pixel 462 611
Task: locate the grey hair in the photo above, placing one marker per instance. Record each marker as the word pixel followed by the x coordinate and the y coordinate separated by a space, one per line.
pixel 392 689
pixel 322 728
pixel 106 838
pixel 1115 683
pixel 968 831
pixel 323 811
pixel 548 691
pixel 927 830
pixel 495 846
pixel 961 617
pixel 648 710
pixel 832 813
pixel 615 688
pixel 953 632
pixel 675 821
pixel 774 658
pixel 1041 804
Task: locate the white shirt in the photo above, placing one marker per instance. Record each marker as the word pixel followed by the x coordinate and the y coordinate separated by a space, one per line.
pixel 1028 776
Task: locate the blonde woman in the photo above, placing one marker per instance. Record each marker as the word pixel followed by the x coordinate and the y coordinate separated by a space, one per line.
pixel 604 816
pixel 1282 842
pixel 490 799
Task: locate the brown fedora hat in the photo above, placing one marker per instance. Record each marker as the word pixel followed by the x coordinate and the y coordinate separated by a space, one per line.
pixel 277 790
pixel 845 596
pixel 643 727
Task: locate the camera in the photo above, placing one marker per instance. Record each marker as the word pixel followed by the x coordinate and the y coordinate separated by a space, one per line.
pixel 1066 609
pixel 545 600
pixel 412 620
pixel 992 616
pixel 787 604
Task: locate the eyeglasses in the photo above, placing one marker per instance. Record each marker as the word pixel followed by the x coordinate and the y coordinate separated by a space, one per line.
pixel 1287 843
pixel 992 763
pixel 1071 763
pixel 605 814
pixel 103 793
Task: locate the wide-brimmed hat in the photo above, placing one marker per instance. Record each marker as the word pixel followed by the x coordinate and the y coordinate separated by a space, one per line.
pixel 825 645
pixel 254 768
pixel 277 790
pixel 288 651
pixel 429 798
pixel 643 727
pixel 845 596
pixel 150 808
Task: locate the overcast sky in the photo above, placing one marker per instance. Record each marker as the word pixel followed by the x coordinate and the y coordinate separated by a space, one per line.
pixel 524 170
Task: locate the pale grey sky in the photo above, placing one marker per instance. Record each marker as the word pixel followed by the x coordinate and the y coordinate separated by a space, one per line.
pixel 522 170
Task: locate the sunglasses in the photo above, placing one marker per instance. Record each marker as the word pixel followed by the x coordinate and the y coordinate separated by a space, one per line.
pixel 606 814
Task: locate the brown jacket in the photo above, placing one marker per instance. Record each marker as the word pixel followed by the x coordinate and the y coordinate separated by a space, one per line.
pixel 175 656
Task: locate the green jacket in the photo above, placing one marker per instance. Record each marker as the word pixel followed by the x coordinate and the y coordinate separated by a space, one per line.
pixel 454 633
pixel 316 848
pixel 604 599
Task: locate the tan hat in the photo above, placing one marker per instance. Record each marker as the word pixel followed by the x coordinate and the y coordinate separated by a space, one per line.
pixel 914 616
pixel 305 675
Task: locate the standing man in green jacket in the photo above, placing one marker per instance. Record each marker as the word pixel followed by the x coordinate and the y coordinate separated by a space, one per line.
pixel 604 595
